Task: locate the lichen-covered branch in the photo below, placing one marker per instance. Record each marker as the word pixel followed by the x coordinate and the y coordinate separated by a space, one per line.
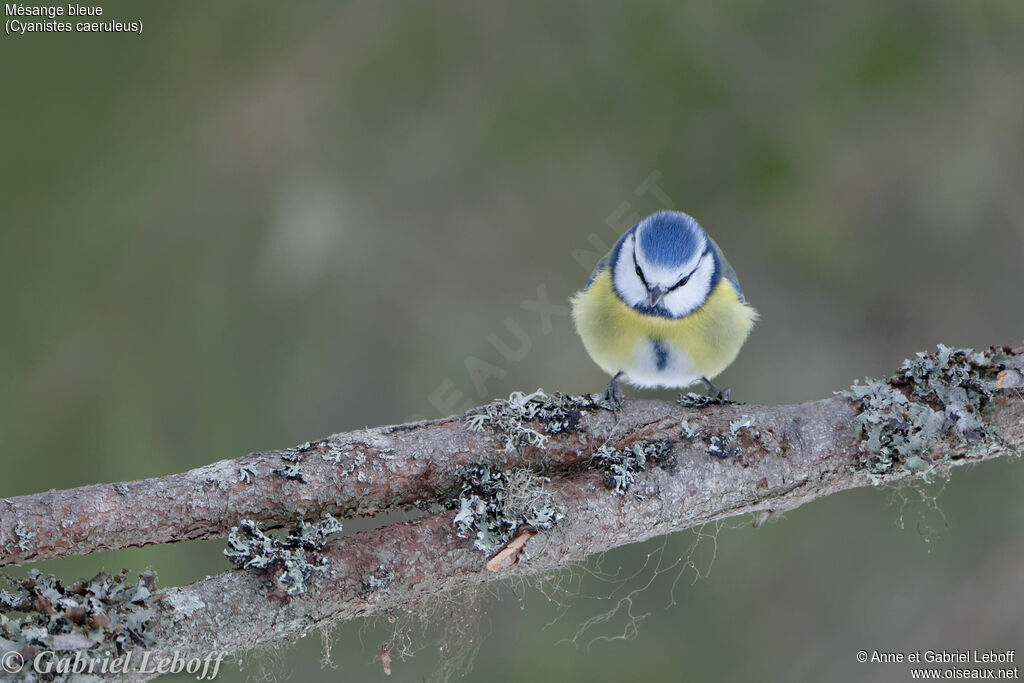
pixel 360 473
pixel 659 468
pixel 727 461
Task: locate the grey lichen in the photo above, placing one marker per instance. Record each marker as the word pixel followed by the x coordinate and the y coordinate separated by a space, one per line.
pixel 184 603
pixel 292 562
pixel 22 535
pixel 692 400
pixel 294 454
pixel 494 505
pixel 247 473
pixel 518 418
pixel 622 466
pixel 106 613
pixel 723 447
pixel 931 397
pixel 291 457
pixel 335 451
pixel 737 426
pixel 377 583
pixel 291 471
pixel 689 431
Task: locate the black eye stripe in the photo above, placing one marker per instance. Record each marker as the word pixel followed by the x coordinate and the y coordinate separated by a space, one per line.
pixel 680 283
pixel 686 279
pixel 636 266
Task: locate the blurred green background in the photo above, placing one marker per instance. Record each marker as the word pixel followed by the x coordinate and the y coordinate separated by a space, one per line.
pixel 260 223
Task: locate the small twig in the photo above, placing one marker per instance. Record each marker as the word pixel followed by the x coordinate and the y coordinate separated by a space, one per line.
pixel 509 555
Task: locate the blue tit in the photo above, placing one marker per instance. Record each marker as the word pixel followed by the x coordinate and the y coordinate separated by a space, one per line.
pixel 663 308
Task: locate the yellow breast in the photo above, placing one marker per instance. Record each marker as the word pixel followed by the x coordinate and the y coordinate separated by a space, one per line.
pixel 655 351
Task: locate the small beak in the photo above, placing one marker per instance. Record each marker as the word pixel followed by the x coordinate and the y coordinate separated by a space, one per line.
pixel 655 295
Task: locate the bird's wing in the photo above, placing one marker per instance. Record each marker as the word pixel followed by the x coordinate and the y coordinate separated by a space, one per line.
pixel 601 265
pixel 728 272
pixel 606 259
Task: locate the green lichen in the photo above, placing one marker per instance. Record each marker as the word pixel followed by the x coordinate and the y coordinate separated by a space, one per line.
pixel 931 397
pixel 293 562
pixel 622 466
pixel 107 613
pixel 530 419
pixel 495 505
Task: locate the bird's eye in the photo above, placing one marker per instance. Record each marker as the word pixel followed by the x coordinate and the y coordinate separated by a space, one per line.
pixel 682 282
pixel 638 271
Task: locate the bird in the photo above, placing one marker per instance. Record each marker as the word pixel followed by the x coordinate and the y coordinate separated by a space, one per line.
pixel 663 308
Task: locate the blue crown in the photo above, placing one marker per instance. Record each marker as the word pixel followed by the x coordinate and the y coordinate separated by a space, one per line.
pixel 670 238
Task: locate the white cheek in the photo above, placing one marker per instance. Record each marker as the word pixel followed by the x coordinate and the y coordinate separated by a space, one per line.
pixel 693 294
pixel 667 276
pixel 627 282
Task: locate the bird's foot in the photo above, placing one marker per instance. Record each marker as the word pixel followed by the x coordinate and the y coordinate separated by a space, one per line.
pixel 719 395
pixel 613 395
pixel 714 396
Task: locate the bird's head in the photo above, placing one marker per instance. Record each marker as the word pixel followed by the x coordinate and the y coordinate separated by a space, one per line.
pixel 665 265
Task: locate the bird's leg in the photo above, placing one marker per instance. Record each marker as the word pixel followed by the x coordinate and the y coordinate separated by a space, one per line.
pixel 613 392
pixel 720 395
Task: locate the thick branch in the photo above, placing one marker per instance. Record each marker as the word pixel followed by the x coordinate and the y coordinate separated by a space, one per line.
pixel 804 452
pixel 360 473
pixel 939 412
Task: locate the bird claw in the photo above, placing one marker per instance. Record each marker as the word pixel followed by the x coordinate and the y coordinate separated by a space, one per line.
pixel 719 395
pixel 714 396
pixel 613 395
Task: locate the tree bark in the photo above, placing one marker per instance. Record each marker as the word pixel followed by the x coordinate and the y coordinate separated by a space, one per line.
pixel 726 460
